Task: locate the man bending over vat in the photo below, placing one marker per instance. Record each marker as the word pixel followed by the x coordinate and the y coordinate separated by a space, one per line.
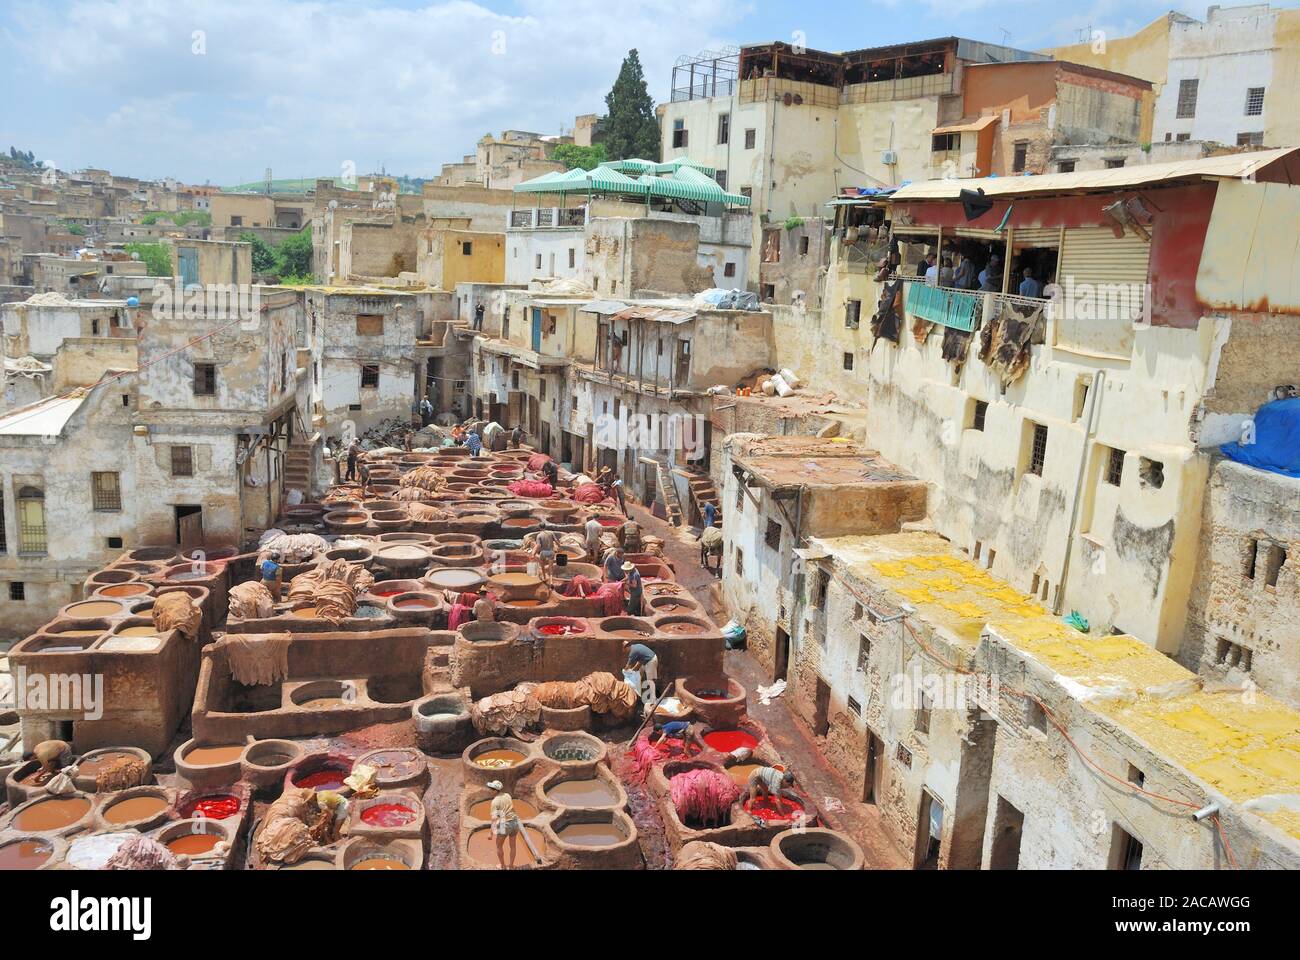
pixel 687 733
pixel 770 782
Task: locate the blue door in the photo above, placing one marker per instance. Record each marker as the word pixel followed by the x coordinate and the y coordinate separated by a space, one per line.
pixel 189 265
pixel 537 330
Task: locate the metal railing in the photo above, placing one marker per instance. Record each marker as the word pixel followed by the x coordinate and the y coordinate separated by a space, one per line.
pixel 959 309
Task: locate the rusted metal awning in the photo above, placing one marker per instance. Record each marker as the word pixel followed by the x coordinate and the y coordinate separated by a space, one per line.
pixel 658 314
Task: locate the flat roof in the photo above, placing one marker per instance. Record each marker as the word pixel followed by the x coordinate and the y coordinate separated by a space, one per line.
pixel 816 462
pixel 1235 165
pixel 1245 750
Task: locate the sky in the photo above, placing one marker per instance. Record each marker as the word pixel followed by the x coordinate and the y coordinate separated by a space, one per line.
pixel 217 91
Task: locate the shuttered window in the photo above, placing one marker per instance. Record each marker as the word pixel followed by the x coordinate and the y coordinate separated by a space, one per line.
pixel 1103 288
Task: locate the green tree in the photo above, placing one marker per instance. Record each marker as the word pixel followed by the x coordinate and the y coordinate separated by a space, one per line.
pixel 631 128
pixel 572 155
pixel 264 258
pixel 155 257
pixel 294 255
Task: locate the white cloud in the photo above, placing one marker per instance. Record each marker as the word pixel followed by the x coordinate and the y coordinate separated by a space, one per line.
pixel 302 86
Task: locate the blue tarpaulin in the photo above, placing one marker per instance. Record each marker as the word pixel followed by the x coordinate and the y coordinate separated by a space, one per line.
pixel 1273 441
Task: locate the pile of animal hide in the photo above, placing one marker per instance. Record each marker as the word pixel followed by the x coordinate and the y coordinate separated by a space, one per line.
pixel 591 493
pixel 412 494
pixel 294 547
pixel 424 512
pixel 535 489
pixel 176 610
pixel 257 660
pixel 331 588
pixel 702 855
pixel 605 693
pixel 250 601
pixel 285 835
pixel 427 478
pixel 142 853
pixel 510 712
pixel 703 796
pixel 121 773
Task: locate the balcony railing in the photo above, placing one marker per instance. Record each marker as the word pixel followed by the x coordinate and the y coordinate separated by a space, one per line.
pixel 959 309
pixel 543 218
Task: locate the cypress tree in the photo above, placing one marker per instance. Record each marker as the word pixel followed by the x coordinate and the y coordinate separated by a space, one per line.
pixel 631 127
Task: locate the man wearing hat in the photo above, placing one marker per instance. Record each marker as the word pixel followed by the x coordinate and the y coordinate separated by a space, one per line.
pixel 631 589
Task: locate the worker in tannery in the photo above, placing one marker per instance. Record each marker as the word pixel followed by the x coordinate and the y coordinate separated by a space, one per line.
pixel 272 573
pixel 774 783
pixel 687 732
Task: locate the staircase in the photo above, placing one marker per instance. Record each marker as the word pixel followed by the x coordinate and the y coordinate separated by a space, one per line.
pixel 668 493
pixel 297 467
pixel 702 491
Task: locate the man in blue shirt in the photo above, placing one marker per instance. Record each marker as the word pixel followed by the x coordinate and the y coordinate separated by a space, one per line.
pixel 474 442
pixel 632 589
pixel 646 662
pixel 1029 287
pixel 710 514
pixel 614 565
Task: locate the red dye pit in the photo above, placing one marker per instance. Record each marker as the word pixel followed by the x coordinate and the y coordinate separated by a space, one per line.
pixel 327 779
pixel 557 630
pixel 711 695
pixel 386 593
pixel 725 741
pixel 609 522
pixel 215 808
pixel 388 815
pixel 765 808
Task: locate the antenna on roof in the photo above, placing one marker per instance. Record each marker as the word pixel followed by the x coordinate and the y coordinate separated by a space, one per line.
pixel 1006 35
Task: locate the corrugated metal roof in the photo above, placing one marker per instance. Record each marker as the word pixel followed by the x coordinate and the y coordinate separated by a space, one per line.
pixel 657 314
pixel 1234 165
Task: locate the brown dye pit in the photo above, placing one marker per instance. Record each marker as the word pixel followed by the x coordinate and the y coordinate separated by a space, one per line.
pixel 309 865
pixel 141 631
pixel 92 766
pixel 79 633
pixel 24 855
pixel 523 603
pixel 681 629
pixel 591 834
pixel 740 772
pixel 519 522
pixel 135 808
pixel 193 844
pixel 498 759
pixel 324 703
pixel 379 863
pixel 671 606
pixel 125 590
pixel 94 608
pixel 210 756
pixel 483 848
pixel 416 604
pixel 53 814
pixel 629 633
pixel 515 580
pixel 37 778
pixel 582 793
pixel 483 810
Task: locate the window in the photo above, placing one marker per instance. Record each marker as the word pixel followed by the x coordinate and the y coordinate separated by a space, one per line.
pixel 1114 163
pixel 1126 850
pixel 943 142
pixel 820 586
pixel 852 313
pixel 923 715
pixel 1136 776
pixel 1020 156
pixel 680 138
pixel 729 270
pixel 17 591
pixel 1037 716
pixel 864 652
pixel 467 248
pixel 1151 473
pixel 205 379
pixel 113 543
pixel 1038 450
pixel 369 375
pixel 724 128
pixel 848 361
pixel 1183 137
pixel 747 192
pixel 740 561
pixel 768 292
pixel 740 497
pixel 751 137
pixel 31 520
pixel 106 491
pixel 573 258
pixel 539 261
pixel 1234 655
pixel 370 325
pixel 1065 166
pixel 854 707
pixel 721 177
pixel 904 756
pixel 978 415
pixel 1254 101
pixel 1252 548
pixel 182 461
pixel 773 535
pixel 1274 559
pixel 236 221
pixel 1115 467
pixel 4 543
pixel 1186 99
pixel 803 246
pixel 1250 139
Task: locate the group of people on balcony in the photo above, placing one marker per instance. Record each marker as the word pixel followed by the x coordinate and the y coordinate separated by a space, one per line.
pixel 958 271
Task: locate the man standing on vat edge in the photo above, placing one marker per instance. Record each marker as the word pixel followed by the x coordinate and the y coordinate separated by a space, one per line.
pixel 506 823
